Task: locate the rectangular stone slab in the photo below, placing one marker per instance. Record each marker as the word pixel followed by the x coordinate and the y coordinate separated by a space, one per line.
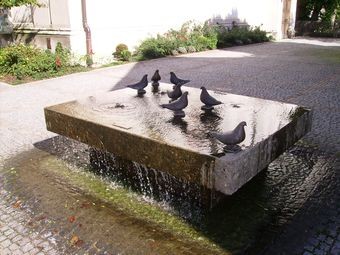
pixel 138 129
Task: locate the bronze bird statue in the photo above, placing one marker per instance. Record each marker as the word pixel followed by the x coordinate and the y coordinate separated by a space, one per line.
pixel 139 86
pixel 208 101
pixel 178 105
pixel 155 80
pixel 233 137
pixel 175 93
pixel 177 81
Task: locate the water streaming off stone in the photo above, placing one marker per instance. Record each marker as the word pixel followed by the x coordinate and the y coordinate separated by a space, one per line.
pixel 114 219
pixel 142 115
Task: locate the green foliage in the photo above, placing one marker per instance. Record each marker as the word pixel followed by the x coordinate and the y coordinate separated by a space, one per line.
pixel 245 35
pixel 62 55
pixel 122 52
pixel 125 55
pixel 121 47
pixel 191 37
pixel 13 3
pixel 319 9
pixel 196 37
pixel 155 48
pixel 22 61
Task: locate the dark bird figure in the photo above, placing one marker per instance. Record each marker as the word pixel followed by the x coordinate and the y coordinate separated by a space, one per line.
pixel 175 93
pixel 155 80
pixel 178 105
pixel 208 100
pixel 233 137
pixel 139 86
pixel 177 81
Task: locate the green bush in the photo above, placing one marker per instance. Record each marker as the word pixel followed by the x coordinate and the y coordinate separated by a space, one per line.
pixel 156 47
pixel 125 55
pixel 237 35
pixel 23 61
pixel 196 37
pixel 190 35
pixel 122 52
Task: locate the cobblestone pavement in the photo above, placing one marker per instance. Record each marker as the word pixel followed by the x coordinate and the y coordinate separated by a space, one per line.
pixel 305 72
pixel 15 237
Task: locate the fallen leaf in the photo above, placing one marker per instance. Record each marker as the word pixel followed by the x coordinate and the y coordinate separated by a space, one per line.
pixel 85 205
pixel 79 243
pixel 40 218
pixel 76 241
pixel 72 219
pixel 17 204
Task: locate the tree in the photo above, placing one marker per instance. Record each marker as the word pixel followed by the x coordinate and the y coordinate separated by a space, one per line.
pixel 318 9
pixel 13 3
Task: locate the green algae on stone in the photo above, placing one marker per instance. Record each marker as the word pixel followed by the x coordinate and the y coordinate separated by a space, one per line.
pixel 127 202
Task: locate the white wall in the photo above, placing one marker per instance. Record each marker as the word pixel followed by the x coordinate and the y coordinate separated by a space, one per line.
pixel 130 21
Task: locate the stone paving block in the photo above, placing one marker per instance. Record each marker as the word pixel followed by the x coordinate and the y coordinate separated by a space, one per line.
pixel 17 238
pixel 321 237
pixel 307 253
pixel 309 248
pixel 319 252
pixel 5 243
pixel 27 247
pixel 2 237
pixel 17 252
pixel 13 247
pixel 335 251
pixel 324 246
pixel 34 251
pixel 329 240
pixel 5 252
pixel 23 241
pixel 8 232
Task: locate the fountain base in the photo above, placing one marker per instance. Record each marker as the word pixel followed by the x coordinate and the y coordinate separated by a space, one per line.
pixel 141 131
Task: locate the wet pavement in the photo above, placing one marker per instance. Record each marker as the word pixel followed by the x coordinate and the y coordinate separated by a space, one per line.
pixel 54 205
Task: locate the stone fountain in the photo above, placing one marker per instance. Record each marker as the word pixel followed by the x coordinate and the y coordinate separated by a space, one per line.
pixel 135 129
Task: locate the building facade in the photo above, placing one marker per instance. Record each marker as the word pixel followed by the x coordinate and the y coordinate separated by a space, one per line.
pixel 89 26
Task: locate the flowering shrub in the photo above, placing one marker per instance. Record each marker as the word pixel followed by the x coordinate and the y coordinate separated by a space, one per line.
pixel 26 61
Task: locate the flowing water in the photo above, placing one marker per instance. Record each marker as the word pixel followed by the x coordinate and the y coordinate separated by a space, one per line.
pixel 57 181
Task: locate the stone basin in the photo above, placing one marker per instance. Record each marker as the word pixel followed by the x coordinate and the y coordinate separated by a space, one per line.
pixel 137 129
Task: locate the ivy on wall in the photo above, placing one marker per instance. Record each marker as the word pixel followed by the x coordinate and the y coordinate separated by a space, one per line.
pixel 13 3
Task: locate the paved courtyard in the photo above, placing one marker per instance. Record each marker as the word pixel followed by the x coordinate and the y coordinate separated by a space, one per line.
pixel 307 181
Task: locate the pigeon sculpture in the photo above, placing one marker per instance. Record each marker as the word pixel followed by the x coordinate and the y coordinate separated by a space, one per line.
pixel 233 137
pixel 177 81
pixel 175 93
pixel 178 105
pixel 155 80
pixel 208 100
pixel 139 86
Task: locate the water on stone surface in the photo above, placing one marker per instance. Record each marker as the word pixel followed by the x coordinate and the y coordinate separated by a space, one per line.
pixel 142 116
pixel 54 180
